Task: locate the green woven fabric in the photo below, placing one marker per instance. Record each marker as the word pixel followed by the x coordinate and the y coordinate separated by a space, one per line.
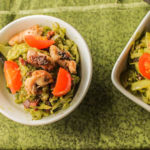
pixel 105 119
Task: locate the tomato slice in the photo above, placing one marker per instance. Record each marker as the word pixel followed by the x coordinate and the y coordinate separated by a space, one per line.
pixel 63 83
pixel 38 41
pixel 12 76
pixel 144 65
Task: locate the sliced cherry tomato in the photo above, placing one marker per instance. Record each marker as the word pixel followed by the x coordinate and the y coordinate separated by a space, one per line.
pixel 12 76
pixel 38 41
pixel 63 83
pixel 144 65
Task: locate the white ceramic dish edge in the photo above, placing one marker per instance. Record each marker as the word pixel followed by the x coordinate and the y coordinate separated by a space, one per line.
pixel 120 64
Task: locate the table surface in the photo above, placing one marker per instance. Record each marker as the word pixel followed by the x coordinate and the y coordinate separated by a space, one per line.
pixel 105 119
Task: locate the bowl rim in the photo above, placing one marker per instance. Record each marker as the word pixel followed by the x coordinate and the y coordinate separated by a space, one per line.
pixel 68 110
pixel 115 79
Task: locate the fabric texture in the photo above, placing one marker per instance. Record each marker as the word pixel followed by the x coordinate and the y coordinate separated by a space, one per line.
pixel 105 119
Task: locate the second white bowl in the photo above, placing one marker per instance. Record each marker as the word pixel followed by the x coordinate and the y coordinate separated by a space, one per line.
pixel 121 62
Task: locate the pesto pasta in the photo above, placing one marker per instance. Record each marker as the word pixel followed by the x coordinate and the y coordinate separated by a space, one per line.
pixel 45 65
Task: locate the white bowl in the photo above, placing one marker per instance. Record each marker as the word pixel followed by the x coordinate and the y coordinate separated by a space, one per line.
pixel 16 112
pixel 121 62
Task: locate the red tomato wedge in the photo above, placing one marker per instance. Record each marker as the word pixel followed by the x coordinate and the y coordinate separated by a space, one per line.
pixel 63 83
pixel 12 76
pixel 38 41
pixel 144 65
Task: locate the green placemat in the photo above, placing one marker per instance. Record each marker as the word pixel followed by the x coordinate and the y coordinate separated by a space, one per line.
pixel 105 119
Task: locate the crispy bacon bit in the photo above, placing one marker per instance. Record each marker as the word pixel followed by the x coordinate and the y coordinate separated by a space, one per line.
pixel 34 103
pixel 50 34
pixel 23 62
pixel 26 104
pixel 29 103
pixel 47 110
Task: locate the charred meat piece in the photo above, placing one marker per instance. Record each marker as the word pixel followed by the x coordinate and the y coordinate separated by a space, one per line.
pixel 58 54
pixel 20 37
pixel 38 79
pixel 38 59
pixel 63 58
pixel 64 55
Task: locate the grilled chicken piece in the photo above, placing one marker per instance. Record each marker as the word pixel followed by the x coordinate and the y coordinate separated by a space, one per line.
pixel 70 64
pixel 54 53
pixel 63 58
pixel 19 37
pixel 38 59
pixel 39 78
